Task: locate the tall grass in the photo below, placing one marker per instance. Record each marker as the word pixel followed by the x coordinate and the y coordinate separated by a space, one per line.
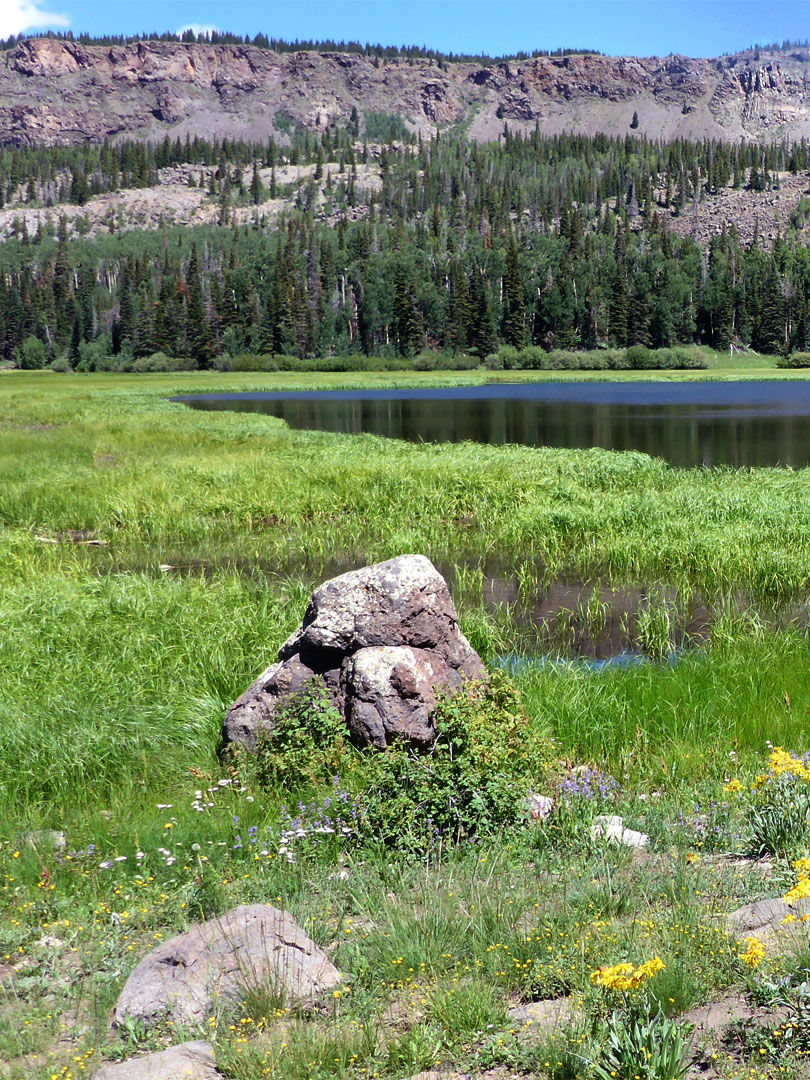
pixel 208 529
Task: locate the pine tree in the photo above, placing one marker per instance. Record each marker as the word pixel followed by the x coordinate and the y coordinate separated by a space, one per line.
pixel 514 303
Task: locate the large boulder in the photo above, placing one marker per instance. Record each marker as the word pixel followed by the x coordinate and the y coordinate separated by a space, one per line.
pixel 380 641
pixel 390 694
pixel 254 945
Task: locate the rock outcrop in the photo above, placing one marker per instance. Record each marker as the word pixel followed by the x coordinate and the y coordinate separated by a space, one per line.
pixel 254 945
pixel 64 91
pixel 380 641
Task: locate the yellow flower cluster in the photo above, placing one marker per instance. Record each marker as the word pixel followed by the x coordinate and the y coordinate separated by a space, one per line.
pixel 623 977
pixel 754 953
pixel 733 787
pixel 783 763
pixel 801 890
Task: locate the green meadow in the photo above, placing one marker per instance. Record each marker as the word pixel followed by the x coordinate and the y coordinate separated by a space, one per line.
pixel 153 559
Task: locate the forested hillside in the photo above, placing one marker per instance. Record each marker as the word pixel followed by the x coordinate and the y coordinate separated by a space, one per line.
pixel 333 246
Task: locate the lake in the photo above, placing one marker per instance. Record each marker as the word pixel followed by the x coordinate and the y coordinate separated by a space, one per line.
pixel 689 424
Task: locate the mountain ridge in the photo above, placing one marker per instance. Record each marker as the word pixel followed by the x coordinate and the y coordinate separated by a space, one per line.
pixel 56 91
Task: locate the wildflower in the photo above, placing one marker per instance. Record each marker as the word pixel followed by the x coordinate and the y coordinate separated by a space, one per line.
pixel 624 977
pixel 754 953
pixel 801 890
pixel 733 786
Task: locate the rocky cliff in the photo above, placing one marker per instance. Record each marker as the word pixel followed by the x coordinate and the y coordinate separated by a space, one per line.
pixel 56 91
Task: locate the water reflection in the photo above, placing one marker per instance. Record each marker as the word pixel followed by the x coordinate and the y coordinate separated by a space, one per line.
pixel 689 424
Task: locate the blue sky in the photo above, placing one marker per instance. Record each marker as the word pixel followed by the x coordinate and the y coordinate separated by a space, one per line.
pixel 630 27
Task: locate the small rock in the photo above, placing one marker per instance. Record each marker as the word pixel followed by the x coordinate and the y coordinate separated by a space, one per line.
pixel 188 1061
pixel 253 945
pixel 49 942
pixel 538 807
pixel 45 839
pixel 542 1015
pixel 611 828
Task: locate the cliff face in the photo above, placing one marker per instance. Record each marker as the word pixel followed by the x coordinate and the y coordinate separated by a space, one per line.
pixel 57 92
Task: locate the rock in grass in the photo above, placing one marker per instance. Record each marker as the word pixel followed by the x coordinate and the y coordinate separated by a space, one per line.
pixel 542 1016
pixel 50 840
pixel 766 917
pixel 253 947
pixel 538 807
pixel 344 643
pixel 611 828
pixel 189 1061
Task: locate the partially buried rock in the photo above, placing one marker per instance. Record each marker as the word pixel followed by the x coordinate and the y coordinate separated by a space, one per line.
pixel 191 1059
pixel 253 946
pixel 611 828
pixel 380 641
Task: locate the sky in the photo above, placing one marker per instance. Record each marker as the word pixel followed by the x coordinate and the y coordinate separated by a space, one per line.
pixel 493 27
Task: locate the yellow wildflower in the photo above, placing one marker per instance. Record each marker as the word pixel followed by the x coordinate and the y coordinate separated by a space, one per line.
pixel 624 977
pixel 754 953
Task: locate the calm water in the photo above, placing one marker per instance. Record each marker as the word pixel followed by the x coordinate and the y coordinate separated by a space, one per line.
pixel 689 424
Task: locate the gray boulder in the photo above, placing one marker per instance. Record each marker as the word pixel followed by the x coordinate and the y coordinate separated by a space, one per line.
pixel 253 945
pixel 402 604
pixel 188 1060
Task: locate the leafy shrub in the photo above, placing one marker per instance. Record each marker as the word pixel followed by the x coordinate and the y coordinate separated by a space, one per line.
pixel 32 355
pixel 248 362
pixel 98 355
pixel 385 127
pixel 687 359
pixel 795 360
pixel 160 362
pixel 283 122
pixel 639 358
pixel 471 782
pixel 307 746
pixel 61 364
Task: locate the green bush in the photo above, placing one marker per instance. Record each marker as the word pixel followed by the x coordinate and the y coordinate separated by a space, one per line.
pixel 32 355
pixel 795 360
pixel 160 362
pixel 384 127
pixel 471 783
pixel 307 746
pixel 247 362
pixel 639 358
pixel 636 357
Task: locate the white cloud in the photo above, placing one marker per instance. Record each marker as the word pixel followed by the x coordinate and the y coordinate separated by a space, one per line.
pixel 17 16
pixel 198 28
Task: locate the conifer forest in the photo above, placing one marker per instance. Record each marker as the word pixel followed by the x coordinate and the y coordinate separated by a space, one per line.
pixel 456 248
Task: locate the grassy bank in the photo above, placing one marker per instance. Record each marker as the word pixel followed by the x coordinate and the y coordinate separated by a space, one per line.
pixel 153 558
